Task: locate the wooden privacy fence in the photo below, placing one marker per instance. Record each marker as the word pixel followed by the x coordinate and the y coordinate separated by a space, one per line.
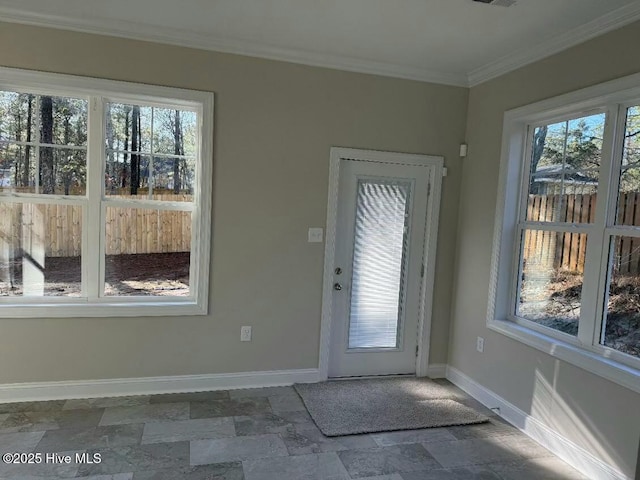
pixel 58 228
pixel 553 250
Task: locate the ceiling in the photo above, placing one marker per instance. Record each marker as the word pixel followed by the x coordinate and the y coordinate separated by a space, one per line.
pixel 457 42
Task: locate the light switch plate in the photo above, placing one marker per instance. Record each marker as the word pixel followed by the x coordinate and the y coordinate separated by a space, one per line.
pixel 315 235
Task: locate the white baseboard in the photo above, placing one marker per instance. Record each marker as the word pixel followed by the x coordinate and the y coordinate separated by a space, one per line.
pixel 437 370
pixel 565 449
pixel 37 391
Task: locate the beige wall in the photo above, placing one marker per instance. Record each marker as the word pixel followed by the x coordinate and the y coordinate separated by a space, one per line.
pixel 274 125
pixel 596 414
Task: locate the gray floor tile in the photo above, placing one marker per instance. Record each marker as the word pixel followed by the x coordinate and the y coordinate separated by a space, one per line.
pixel 261 392
pixel 234 449
pixel 45 469
pixel 325 466
pixel 424 435
pixel 393 476
pixel 303 441
pixel 19 442
pixel 525 447
pixel 230 408
pixel 31 406
pixel 49 420
pixel 92 437
pixel 261 424
pixel 387 460
pixel 301 418
pixel 145 413
pixel 190 397
pixel 272 423
pixel 286 403
pixel 471 452
pixel 550 468
pixel 473 472
pixel 135 458
pixel 86 403
pixel 117 476
pixel 199 429
pixel 219 471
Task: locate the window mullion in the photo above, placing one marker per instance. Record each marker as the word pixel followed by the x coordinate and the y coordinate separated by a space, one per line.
pixel 610 220
pixel 596 254
pixel 92 233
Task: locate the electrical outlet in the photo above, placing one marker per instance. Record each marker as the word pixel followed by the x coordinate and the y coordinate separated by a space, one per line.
pixel 480 344
pixel 245 334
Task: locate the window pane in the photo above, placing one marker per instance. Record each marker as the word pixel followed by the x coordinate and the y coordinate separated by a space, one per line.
pixel 18 117
pixel 43 119
pixel 378 264
pixel 68 120
pixel 552 266
pixel 565 167
pixel 63 171
pixel 17 168
pixel 40 250
pixel 174 132
pixel 127 175
pixel 128 128
pixel 621 329
pixel 628 209
pixel 147 252
pixel 173 178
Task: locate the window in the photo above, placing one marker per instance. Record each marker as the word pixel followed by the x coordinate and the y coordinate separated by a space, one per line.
pixel 105 197
pixel 566 260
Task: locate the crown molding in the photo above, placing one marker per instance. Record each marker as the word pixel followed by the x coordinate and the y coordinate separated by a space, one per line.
pixel 601 25
pixel 185 38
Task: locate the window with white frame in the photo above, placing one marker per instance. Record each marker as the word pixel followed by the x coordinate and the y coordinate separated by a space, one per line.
pixel 105 197
pixel 567 247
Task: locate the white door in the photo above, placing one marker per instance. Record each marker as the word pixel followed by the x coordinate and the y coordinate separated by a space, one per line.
pixel 378 267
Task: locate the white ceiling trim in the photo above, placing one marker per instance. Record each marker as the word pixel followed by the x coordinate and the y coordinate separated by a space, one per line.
pixel 185 38
pixel 139 31
pixel 606 23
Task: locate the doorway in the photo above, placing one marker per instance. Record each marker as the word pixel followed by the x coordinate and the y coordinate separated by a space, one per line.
pixel 380 252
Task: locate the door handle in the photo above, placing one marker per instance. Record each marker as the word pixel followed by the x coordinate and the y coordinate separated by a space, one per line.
pixel 337 286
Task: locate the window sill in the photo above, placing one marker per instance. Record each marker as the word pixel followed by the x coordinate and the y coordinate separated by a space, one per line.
pixel 110 309
pixel 614 371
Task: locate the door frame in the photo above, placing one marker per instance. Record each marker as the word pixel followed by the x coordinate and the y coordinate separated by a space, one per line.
pixel 428 255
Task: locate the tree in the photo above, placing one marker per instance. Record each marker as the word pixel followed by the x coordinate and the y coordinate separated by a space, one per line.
pixel 539 137
pixel 27 150
pixel 178 150
pixel 47 176
pixel 135 147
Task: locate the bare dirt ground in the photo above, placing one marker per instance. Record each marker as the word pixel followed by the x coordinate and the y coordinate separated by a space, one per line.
pixel 165 274
pixel 555 303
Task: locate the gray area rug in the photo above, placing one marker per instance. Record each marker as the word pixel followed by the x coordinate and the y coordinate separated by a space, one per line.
pixel 347 407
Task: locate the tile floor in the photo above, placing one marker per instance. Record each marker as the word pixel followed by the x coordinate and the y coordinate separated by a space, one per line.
pixel 254 434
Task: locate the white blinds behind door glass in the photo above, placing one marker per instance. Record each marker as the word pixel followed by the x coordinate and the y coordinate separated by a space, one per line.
pixel 382 210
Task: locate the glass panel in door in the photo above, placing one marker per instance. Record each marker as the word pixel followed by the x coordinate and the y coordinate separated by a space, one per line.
pixel 379 253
